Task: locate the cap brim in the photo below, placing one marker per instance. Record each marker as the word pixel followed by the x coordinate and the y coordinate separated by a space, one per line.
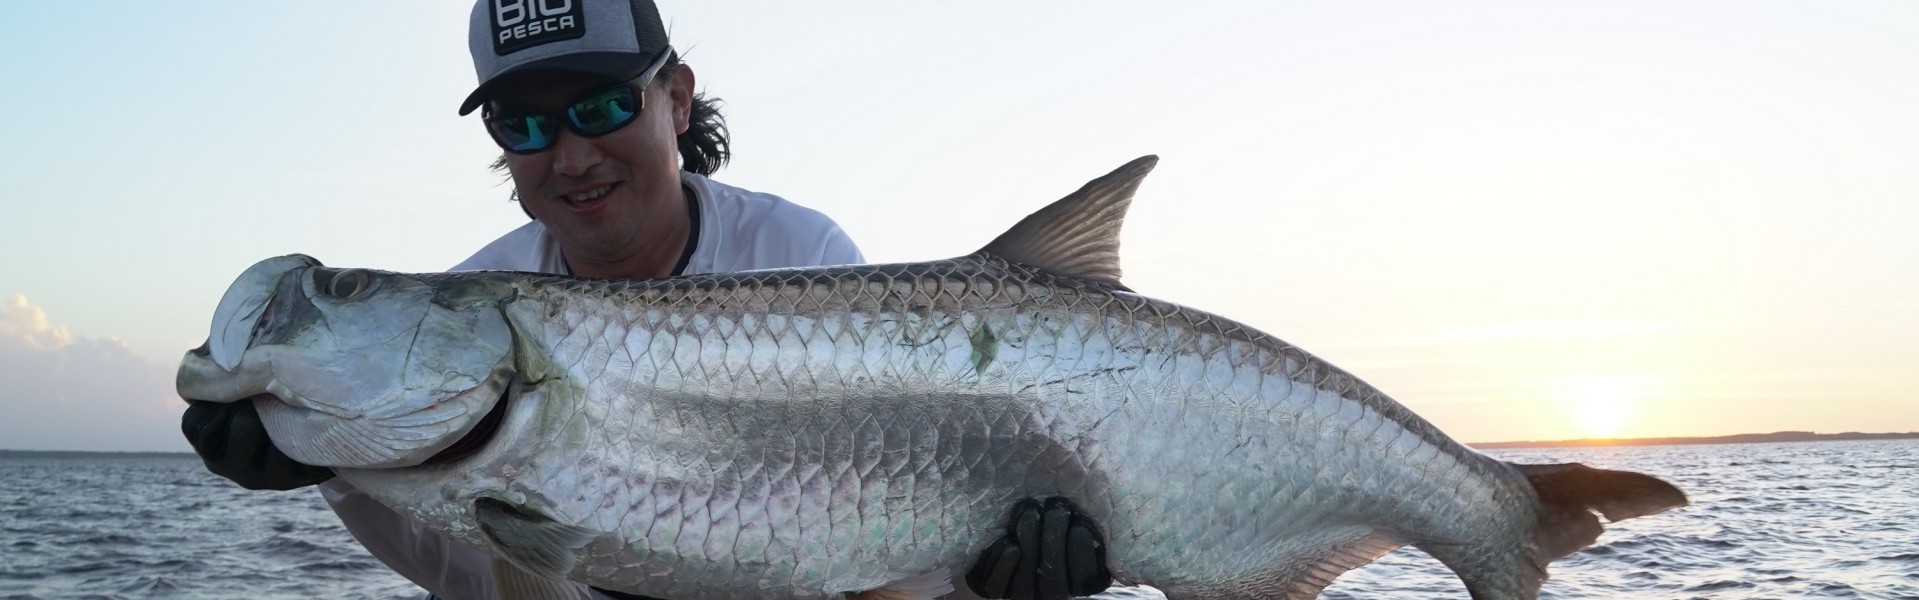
pixel 612 65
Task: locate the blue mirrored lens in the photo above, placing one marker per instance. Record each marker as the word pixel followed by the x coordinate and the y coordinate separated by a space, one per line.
pixel 524 134
pixel 604 112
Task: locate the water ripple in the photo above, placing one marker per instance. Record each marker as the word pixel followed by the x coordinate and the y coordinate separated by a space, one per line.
pixel 1810 520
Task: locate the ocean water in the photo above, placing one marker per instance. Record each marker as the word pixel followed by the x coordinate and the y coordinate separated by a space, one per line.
pixel 1800 520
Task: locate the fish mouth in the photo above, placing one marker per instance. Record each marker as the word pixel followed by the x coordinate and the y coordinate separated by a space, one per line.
pixel 475 439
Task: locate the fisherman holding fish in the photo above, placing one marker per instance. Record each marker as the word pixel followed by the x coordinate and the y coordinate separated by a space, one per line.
pixel 609 148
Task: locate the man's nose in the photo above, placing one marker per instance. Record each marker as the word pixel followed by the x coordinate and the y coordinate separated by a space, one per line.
pixel 573 154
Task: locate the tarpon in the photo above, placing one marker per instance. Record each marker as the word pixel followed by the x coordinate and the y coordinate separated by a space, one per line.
pixel 808 433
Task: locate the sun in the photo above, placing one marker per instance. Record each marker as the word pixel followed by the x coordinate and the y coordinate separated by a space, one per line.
pixel 1603 406
pixel 1603 419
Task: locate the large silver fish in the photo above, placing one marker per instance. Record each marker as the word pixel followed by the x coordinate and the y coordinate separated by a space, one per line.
pixel 806 433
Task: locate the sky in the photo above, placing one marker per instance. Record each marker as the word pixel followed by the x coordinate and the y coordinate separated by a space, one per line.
pixel 1523 220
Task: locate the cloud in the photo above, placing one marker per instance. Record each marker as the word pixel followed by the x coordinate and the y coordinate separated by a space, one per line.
pixel 59 392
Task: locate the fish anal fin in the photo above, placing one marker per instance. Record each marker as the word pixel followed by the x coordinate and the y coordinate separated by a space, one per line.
pixel 510 582
pixel 1339 559
pixel 533 542
pixel 918 587
pixel 1302 576
pixel 1077 236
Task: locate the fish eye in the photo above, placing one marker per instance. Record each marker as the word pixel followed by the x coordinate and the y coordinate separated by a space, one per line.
pixel 348 284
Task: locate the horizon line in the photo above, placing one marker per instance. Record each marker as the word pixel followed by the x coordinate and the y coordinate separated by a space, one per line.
pixel 1737 438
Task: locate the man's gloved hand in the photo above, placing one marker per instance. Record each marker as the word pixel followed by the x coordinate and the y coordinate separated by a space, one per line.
pixel 1050 552
pixel 231 441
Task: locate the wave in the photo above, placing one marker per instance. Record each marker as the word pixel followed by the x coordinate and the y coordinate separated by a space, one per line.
pixel 1835 524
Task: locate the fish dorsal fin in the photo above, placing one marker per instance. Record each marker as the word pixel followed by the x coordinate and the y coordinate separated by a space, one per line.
pixel 1078 236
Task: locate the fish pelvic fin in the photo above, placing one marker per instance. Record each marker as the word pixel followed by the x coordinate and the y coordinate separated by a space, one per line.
pixel 530 541
pixel 513 583
pixel 918 587
pixel 1077 236
pixel 1572 497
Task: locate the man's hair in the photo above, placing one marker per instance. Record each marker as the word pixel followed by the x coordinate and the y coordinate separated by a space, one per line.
pixel 704 147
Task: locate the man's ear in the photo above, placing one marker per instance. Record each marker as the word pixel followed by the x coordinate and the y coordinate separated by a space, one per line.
pixel 680 90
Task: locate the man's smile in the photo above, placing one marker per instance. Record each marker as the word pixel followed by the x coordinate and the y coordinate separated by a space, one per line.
pixel 588 200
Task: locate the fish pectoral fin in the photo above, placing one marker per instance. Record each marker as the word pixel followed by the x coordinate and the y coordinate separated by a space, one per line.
pixel 535 543
pixel 918 587
pixel 513 583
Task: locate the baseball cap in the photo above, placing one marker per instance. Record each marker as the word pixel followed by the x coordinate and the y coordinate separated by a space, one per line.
pixel 610 38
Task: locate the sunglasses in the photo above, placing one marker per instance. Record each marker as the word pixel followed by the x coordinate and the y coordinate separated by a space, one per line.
pixel 593 115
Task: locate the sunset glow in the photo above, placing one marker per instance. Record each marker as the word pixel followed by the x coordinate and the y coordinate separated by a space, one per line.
pixel 1604 406
pixel 1658 219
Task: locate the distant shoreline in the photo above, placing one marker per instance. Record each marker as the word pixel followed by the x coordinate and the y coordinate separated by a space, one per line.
pixel 1743 438
pixel 4 454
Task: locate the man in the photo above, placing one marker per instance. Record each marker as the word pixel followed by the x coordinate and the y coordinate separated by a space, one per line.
pixel 608 146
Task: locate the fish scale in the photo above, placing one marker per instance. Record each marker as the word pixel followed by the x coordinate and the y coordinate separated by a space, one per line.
pixel 929 353
pixel 805 433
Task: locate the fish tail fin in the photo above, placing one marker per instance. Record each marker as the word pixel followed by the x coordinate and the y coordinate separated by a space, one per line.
pixel 1571 499
pixel 1570 494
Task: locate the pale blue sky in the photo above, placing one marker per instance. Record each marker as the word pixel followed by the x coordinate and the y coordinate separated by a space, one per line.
pixel 1508 215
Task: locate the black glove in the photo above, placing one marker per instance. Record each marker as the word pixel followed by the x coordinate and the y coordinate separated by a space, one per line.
pixel 1050 552
pixel 231 441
